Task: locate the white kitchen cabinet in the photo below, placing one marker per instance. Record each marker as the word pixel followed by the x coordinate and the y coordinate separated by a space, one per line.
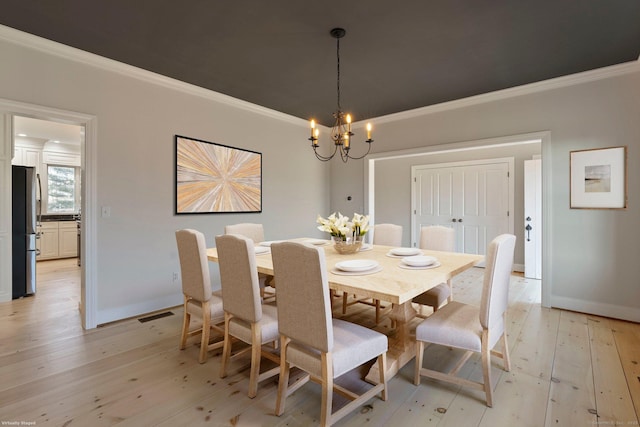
pixel 67 239
pixel 58 239
pixel 26 156
pixel 18 156
pixel 48 241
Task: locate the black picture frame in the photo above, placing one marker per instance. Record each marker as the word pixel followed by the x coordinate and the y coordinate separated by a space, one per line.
pixel 215 178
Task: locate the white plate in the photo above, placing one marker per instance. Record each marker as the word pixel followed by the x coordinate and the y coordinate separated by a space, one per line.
pixel 262 250
pixel 317 242
pixel 268 244
pixel 361 273
pixel 419 260
pixel 405 251
pixel 357 265
pixel 426 267
pixel 391 255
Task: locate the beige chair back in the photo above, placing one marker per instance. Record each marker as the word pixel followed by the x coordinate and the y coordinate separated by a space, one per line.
pixel 387 235
pixel 253 231
pixel 438 238
pixel 304 308
pixel 239 277
pixel 495 290
pixel 194 266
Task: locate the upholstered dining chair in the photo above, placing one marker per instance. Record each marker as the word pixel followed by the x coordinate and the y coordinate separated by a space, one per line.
pixel 196 288
pixel 245 317
pixel 386 235
pixel 254 232
pixel 474 329
pixel 437 238
pixel 311 340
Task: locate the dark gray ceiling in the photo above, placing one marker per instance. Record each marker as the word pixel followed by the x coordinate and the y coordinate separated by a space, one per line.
pixel 396 56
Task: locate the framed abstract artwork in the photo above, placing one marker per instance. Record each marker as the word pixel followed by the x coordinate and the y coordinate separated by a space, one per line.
pixel 598 178
pixel 215 178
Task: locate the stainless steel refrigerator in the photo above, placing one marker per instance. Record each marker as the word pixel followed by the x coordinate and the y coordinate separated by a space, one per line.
pixel 24 230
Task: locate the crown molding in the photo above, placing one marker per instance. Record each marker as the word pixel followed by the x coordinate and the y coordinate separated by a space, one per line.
pixel 50 47
pixel 545 85
pixel 31 41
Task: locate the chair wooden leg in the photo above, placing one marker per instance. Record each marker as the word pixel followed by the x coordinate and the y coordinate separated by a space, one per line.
pixel 186 320
pixel 505 352
pixel 419 355
pixel 382 363
pixel 345 297
pixel 256 354
pixel 206 331
pixel 283 381
pixel 377 311
pixel 486 368
pixel 226 346
pixel 327 389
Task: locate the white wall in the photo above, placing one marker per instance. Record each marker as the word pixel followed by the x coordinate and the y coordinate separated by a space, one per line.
pixel 594 257
pixel 136 124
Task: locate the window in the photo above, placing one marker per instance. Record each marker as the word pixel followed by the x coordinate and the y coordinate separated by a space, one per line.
pixel 61 189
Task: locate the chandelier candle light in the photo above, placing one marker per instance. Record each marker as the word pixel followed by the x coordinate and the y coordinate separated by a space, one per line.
pixel 341 132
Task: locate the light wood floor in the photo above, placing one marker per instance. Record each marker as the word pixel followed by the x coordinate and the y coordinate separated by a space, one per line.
pixel 568 369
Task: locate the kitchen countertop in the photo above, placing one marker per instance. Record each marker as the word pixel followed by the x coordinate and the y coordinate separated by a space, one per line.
pixel 59 217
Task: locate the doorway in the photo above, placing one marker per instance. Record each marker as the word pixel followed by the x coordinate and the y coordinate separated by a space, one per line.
pixel 472 197
pixel 88 160
pixel 53 150
pixel 376 166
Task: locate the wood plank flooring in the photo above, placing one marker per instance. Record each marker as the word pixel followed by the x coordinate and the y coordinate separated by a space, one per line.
pixel 568 369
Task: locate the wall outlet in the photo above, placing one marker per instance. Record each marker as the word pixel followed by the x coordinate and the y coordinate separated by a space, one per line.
pixel 176 277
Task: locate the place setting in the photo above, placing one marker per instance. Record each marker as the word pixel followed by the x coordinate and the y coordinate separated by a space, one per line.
pixel 356 267
pixel 318 242
pixel 404 252
pixel 261 250
pixel 268 243
pixel 419 262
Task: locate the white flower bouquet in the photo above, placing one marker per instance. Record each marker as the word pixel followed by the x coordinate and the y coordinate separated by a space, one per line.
pixel 343 227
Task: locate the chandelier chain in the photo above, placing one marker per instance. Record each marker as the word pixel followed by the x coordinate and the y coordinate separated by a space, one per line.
pixel 338 80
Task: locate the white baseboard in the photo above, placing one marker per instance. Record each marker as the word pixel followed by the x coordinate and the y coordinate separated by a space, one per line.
pixel 125 312
pixel 597 308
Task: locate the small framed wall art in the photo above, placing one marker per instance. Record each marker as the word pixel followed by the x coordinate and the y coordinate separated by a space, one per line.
pixel 215 178
pixel 599 178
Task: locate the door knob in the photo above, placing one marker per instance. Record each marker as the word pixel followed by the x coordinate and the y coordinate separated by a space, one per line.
pixel 528 228
pixel 460 220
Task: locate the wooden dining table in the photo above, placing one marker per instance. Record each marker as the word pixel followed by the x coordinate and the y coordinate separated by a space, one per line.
pixel 392 284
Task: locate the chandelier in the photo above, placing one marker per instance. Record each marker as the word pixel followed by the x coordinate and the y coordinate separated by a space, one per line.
pixel 341 131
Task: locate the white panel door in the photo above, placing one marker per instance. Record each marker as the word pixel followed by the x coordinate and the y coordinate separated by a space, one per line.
pixel 472 199
pixel 533 219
